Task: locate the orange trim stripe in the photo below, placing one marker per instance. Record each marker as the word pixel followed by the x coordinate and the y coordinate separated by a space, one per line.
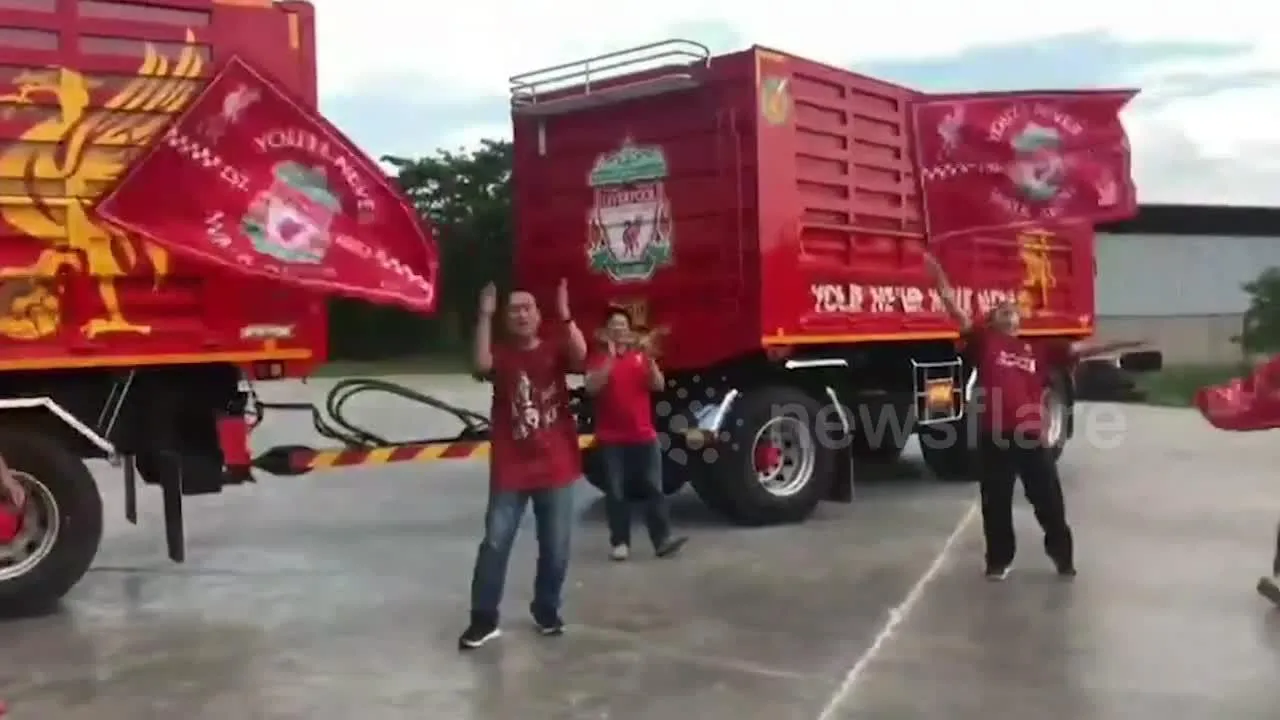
pixel 782 339
pixel 67 362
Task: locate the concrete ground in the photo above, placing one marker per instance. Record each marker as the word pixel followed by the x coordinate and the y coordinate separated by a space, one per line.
pixel 340 596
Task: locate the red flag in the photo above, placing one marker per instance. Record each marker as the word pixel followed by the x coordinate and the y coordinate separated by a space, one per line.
pixel 249 179
pixel 993 161
pixel 1244 404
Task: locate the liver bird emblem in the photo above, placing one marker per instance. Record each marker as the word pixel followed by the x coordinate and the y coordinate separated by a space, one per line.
pixel 70 157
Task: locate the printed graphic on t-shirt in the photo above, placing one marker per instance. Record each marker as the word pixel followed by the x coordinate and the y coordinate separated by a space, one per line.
pixel 1026 363
pixel 533 408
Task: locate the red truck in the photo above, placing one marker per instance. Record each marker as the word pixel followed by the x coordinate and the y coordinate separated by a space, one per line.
pixel 759 211
pixel 119 350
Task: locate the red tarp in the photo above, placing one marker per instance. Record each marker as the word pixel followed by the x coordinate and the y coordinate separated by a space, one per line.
pixel 992 161
pixel 1244 404
pixel 249 179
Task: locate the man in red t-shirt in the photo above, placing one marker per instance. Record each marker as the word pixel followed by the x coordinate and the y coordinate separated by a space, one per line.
pixel 621 376
pixel 535 458
pixel 1009 404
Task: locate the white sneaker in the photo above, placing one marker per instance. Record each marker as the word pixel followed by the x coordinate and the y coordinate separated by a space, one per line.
pixel 619 553
pixel 997 574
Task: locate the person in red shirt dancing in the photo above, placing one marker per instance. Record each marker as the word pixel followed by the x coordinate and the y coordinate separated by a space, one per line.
pixel 621 377
pixel 534 458
pixel 1012 378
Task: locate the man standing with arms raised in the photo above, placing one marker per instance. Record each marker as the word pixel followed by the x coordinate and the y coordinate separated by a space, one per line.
pixel 621 377
pixel 535 458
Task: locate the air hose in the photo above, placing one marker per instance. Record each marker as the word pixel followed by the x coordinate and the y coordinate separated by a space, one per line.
pixel 332 423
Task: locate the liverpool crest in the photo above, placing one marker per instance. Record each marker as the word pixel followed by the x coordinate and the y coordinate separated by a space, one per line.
pixel 290 220
pixel 629 225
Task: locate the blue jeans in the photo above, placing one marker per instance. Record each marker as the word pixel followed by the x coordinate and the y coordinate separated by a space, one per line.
pixel 639 466
pixel 553 513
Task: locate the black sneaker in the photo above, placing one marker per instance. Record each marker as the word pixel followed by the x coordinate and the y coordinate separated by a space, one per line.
pixel 997 573
pixel 1066 571
pixel 549 624
pixel 1268 589
pixel 481 630
pixel 670 546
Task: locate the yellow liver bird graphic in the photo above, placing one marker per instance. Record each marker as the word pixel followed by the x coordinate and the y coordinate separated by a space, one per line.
pixel 65 161
pixel 1038 278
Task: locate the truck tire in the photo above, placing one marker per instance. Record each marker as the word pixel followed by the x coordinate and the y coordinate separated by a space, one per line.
pixel 948 449
pixel 893 432
pixel 765 478
pixel 674 475
pixel 62 526
pixel 707 487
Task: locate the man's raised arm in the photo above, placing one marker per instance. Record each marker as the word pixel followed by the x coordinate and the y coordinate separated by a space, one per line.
pixel 482 359
pixel 946 292
pixel 575 341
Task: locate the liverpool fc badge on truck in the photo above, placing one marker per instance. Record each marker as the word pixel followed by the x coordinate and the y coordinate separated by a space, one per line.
pixel 629 224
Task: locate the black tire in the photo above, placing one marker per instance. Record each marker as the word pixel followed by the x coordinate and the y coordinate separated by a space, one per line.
pixel 948 449
pixel 746 500
pixel 79 520
pixel 674 475
pixel 707 487
pixel 893 432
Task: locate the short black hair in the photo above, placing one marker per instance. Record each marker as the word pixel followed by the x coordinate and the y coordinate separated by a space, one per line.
pixel 616 311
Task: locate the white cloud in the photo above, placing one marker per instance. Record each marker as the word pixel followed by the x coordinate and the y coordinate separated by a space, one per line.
pixel 469 49
pixel 475 45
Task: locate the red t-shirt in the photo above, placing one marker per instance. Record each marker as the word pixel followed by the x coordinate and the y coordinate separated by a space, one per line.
pixel 623 407
pixel 535 438
pixel 1012 376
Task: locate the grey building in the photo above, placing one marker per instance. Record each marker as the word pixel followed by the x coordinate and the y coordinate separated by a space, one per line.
pixel 1173 275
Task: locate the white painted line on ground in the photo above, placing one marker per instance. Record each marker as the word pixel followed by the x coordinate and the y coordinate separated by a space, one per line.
pixel 896 616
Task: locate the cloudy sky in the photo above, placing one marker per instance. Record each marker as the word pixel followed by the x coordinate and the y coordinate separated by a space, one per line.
pixel 406 78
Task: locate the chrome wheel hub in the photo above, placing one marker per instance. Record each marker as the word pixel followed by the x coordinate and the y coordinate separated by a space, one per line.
pixel 784 454
pixel 38 533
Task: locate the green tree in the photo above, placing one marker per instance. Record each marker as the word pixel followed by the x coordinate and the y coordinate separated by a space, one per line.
pixel 466 194
pixel 1260 333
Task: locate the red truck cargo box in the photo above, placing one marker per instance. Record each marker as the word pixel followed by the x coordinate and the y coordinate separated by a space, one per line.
pixel 84 85
pixel 753 200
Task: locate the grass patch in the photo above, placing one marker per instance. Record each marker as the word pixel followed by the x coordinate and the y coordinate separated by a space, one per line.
pixel 442 364
pixel 1176 385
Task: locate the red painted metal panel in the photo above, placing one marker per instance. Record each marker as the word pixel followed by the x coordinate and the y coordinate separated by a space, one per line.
pixel 84 85
pixel 794 211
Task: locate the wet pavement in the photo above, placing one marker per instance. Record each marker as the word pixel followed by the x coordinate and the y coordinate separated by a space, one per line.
pixel 341 595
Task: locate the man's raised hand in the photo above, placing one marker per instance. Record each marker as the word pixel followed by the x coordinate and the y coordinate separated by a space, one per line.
pixel 562 300
pixel 488 300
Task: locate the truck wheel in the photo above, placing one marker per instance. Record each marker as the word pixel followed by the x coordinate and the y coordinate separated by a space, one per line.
pixel 774 468
pixel 947 450
pixel 61 528
pixel 674 475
